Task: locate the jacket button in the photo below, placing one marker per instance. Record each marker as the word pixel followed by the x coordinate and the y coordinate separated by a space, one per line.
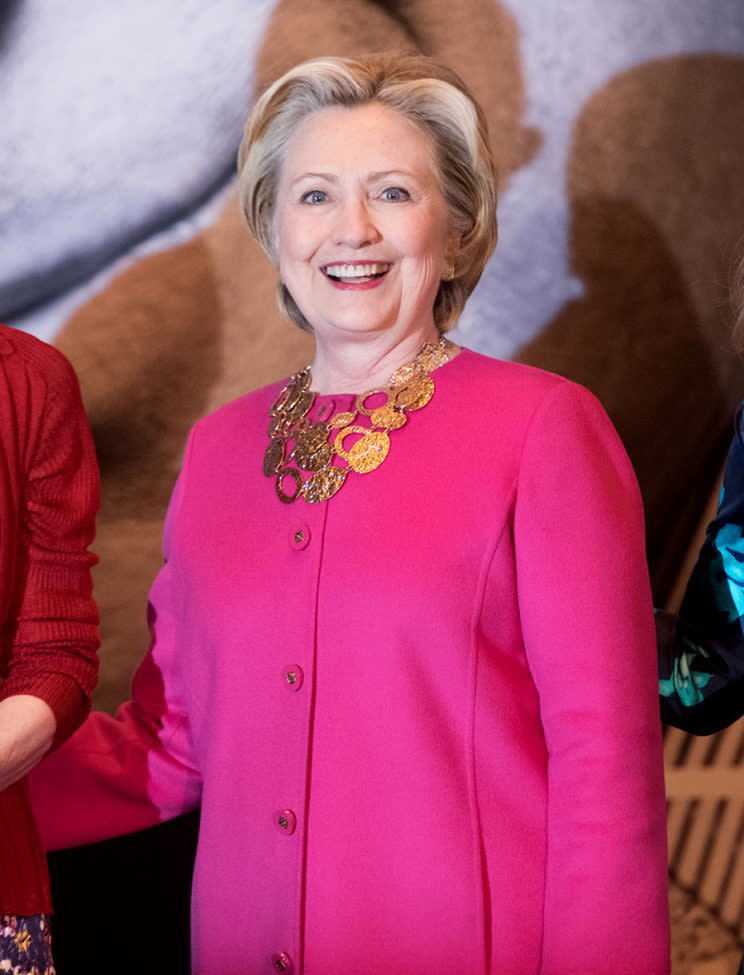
pixel 293 677
pixel 299 537
pixel 326 408
pixel 282 962
pixel 285 821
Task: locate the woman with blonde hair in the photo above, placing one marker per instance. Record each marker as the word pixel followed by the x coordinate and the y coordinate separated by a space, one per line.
pixel 422 727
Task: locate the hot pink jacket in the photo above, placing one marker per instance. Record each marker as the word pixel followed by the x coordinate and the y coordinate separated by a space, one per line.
pixel 421 718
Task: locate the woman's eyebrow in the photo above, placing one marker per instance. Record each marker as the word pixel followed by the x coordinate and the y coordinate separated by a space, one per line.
pixel 326 176
pixel 371 177
pixel 385 173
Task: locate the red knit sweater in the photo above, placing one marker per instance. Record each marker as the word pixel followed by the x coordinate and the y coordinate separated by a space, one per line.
pixel 48 499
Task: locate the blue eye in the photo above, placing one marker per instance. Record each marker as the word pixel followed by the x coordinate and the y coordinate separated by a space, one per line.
pixel 314 197
pixel 395 194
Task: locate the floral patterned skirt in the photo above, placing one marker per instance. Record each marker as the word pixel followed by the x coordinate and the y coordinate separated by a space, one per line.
pixel 25 945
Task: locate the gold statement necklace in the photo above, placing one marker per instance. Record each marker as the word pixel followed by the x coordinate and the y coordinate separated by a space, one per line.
pixel 312 454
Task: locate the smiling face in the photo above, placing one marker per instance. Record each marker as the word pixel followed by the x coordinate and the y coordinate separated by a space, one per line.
pixel 361 225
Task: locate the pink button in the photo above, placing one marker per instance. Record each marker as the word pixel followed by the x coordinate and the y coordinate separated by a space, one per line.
pixel 285 821
pixel 293 677
pixel 325 409
pixel 282 962
pixel 299 537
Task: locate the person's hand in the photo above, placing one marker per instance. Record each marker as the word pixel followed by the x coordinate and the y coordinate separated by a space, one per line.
pixel 27 728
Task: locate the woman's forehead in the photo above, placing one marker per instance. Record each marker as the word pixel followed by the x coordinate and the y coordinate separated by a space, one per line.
pixel 372 138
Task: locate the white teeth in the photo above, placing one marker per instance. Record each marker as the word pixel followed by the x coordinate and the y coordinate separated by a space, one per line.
pixel 355 270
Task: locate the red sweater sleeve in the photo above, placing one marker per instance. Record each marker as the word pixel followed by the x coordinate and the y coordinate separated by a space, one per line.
pixel 53 618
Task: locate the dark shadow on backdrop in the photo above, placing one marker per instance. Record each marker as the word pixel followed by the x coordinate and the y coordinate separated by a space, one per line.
pixel 8 15
pixel 634 340
pixel 656 193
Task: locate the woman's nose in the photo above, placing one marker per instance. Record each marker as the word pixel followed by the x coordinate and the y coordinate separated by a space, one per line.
pixel 356 226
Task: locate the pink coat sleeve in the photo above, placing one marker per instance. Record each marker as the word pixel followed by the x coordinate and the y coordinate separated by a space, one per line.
pixel 119 774
pixel 588 628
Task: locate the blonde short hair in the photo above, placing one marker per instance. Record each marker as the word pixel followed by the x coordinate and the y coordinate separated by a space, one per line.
pixel 424 91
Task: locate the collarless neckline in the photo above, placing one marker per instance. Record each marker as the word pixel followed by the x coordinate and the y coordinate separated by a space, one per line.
pixel 438 372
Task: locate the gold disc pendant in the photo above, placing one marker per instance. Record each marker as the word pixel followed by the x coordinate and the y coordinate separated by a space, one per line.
pixel 279 425
pixel 290 395
pixel 296 477
pixel 361 401
pixel 312 449
pixel 324 484
pixel 416 393
pixel 369 452
pixel 403 375
pixel 388 418
pixel 316 433
pixel 312 456
pixel 432 356
pixel 342 420
pixel 300 408
pixel 274 457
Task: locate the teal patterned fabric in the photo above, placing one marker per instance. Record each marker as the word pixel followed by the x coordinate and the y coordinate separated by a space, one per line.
pixel 701 652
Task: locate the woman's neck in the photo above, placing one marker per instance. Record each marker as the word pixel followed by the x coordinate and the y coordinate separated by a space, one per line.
pixel 364 363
